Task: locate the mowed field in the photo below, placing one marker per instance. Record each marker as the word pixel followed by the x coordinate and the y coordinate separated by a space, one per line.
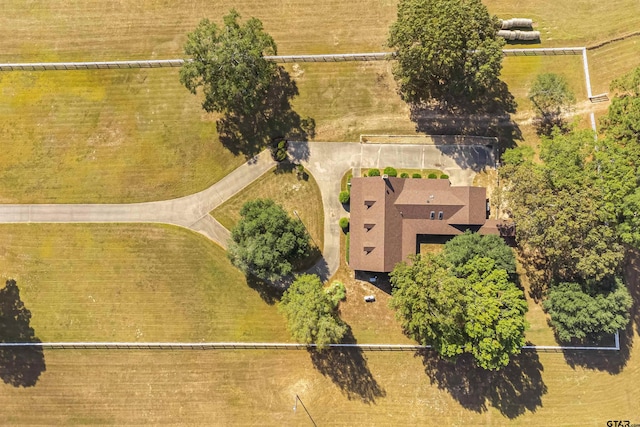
pixel 131 135
pixel 135 282
pixel 116 136
pixel 156 283
pixel 293 194
pixel 259 387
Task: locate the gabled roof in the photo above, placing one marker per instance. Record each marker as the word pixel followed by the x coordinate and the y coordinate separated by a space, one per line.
pixel 387 215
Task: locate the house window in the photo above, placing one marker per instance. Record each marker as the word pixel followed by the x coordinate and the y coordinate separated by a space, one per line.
pixel 440 215
pixel 433 215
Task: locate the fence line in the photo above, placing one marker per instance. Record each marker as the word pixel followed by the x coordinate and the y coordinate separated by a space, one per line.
pixel 262 346
pixel 343 57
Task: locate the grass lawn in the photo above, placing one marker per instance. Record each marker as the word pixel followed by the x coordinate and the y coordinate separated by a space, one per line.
pixel 105 137
pixel 285 189
pixel 138 135
pixel 132 283
pixel 259 387
pixel 151 266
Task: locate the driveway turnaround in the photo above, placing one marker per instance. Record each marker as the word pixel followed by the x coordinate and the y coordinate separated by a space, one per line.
pixel 327 162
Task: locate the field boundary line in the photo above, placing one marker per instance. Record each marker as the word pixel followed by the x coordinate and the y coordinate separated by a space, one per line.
pixel 338 57
pixel 265 346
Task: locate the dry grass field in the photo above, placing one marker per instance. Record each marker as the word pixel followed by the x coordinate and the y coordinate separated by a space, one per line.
pixel 155 283
pixel 285 189
pixel 115 136
pixel 123 136
pixel 258 388
pixel 133 282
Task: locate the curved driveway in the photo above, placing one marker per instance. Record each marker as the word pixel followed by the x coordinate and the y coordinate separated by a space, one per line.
pixel 327 161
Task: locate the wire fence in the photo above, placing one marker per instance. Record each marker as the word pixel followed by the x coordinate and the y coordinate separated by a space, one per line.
pixel 172 63
pixel 342 57
pixel 260 346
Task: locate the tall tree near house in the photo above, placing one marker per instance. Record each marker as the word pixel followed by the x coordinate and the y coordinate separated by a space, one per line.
pixel 311 312
pixel 476 311
pixel 267 242
pixel 445 50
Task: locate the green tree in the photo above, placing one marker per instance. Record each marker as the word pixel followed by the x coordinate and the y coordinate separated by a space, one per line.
pixel 430 303
pixel 576 313
pixel 618 156
pixel 551 97
pixel 560 212
pixel 229 64
pixel 622 121
pixel 494 313
pixel 464 247
pixel 311 312
pixel 481 312
pixel 266 241
pixel 445 50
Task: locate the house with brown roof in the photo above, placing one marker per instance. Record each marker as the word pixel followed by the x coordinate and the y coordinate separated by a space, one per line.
pixel 388 215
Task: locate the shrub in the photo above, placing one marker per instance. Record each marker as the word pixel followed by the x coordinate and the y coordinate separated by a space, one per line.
pixel 301 173
pixel 374 172
pixel 390 171
pixel 433 176
pixel 416 175
pixel 279 150
pixel 346 246
pixel 404 175
pixel 444 176
pixel 336 292
pixel 344 197
pixel 344 223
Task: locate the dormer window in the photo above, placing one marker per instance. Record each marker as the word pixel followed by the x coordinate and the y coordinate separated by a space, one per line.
pixel 440 215
pixel 433 215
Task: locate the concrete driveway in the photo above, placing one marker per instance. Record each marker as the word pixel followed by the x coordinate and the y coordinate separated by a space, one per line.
pixel 327 161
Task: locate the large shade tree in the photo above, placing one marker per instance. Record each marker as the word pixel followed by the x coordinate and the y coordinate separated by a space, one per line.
pixel 228 63
pixel 446 50
pixel 579 311
pixel 477 311
pixel 267 242
pixel 311 312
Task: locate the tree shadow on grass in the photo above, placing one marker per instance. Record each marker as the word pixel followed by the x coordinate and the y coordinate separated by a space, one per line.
pixel 19 366
pixel 348 369
pixel 269 292
pixel 487 116
pixel 273 120
pixel 515 389
pixel 609 361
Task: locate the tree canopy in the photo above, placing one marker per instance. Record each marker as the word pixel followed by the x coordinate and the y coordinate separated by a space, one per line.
pixel 574 210
pixel 477 311
pixel 464 247
pixel 445 50
pixel 579 313
pixel 558 207
pixel 551 97
pixel 311 311
pixel 229 64
pixel 266 241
